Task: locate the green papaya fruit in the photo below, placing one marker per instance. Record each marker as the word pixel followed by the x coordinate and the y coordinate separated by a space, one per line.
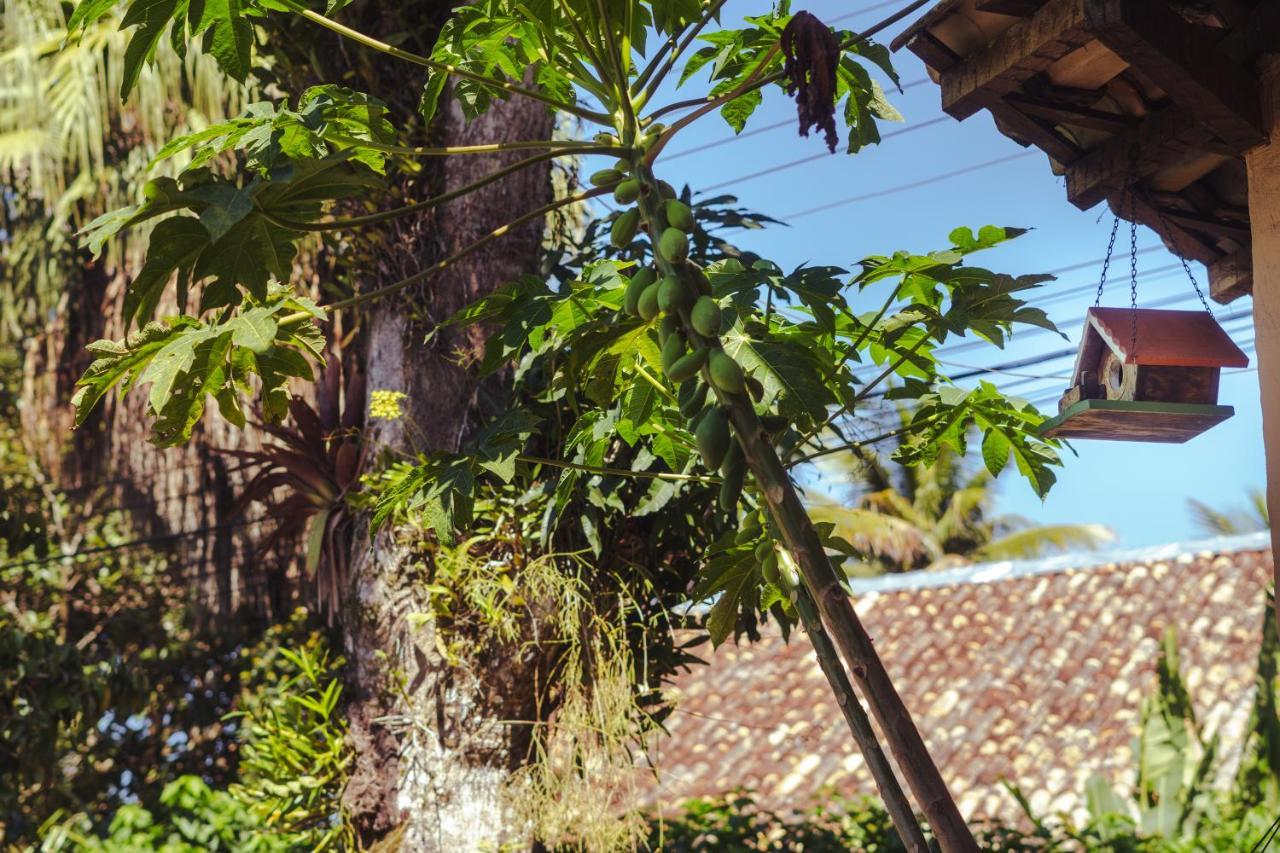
pixel 713 438
pixel 635 287
pixel 673 245
pixel 627 191
pixel 726 373
pixel 624 229
pixel 769 569
pixel 691 395
pixel 647 275
pixel 755 388
pixel 673 295
pixel 648 303
pixel 731 488
pixel 733 459
pixel 666 189
pixel 749 533
pixel 763 550
pixel 606 177
pixel 679 214
pixel 705 317
pixel 773 423
pixel 623 166
pixel 669 326
pixel 673 350
pixel 687 366
pixel 651 135
pixel 696 420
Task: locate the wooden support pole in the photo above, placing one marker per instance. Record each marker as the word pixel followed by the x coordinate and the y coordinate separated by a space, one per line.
pixel 1264 213
pixel 895 800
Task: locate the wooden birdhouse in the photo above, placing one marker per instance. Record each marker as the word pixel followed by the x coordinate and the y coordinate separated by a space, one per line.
pixel 1146 375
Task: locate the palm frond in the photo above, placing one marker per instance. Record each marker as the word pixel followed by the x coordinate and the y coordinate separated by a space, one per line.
pixel 884 538
pixel 1039 541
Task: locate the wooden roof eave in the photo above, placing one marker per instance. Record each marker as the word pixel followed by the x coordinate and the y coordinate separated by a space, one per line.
pixel 1209 112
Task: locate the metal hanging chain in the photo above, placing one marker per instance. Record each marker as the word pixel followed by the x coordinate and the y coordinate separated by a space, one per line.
pixel 1133 261
pixel 1106 261
pixel 1186 267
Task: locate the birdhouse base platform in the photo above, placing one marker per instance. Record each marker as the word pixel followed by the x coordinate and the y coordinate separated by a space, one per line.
pixel 1123 420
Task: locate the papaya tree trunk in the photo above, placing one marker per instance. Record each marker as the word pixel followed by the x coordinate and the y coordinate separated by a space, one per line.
pixel 434 741
pixel 801 540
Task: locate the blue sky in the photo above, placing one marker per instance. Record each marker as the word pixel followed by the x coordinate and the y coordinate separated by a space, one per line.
pixel 1140 490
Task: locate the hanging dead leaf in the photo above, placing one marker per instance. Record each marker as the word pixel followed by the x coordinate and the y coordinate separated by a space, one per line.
pixel 811 53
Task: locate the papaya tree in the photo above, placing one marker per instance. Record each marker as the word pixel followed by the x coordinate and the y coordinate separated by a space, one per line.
pixel 731 373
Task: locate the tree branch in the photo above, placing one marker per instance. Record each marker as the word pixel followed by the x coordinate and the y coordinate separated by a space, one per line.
pixel 418 59
pixel 619 472
pixel 652 87
pixel 568 145
pixel 444 264
pixel 709 104
pixel 427 204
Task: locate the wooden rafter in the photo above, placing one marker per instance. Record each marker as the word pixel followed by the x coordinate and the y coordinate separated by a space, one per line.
pixel 1165 137
pixel 1161 48
pixel 1233 229
pixel 1064 112
pixel 1013 8
pixel 1031 130
pixel 1183 60
pixel 1183 240
pixel 1231 276
pixel 1027 48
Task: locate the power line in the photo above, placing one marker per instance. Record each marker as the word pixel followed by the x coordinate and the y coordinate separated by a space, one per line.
pixel 819 156
pixel 756 131
pixel 876 7
pixel 910 186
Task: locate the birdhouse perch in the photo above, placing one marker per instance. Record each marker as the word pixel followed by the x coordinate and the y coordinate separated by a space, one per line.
pixel 1146 375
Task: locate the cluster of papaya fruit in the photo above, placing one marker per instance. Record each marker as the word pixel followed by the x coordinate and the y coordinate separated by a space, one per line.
pixel 679 293
pixel 776 564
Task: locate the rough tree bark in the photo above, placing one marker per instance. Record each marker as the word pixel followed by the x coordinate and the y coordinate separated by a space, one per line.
pixel 432 757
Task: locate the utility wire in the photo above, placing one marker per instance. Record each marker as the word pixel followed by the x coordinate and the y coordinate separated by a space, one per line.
pixel 789 122
pixel 819 156
pixel 923 182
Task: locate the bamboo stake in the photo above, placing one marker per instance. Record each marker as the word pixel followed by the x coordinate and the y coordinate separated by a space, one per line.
pixel 895 801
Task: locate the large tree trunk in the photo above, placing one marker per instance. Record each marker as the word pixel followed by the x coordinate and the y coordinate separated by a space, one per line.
pixel 433 758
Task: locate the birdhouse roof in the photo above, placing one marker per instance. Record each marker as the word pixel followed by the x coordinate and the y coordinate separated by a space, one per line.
pixel 1167 338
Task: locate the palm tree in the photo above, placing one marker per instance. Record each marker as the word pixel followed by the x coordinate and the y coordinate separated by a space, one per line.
pixel 900 518
pixel 1253 517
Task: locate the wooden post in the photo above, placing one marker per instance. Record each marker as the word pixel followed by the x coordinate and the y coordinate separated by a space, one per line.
pixel 1263 164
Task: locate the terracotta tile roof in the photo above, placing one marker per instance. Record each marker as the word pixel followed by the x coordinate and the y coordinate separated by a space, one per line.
pixel 1030 672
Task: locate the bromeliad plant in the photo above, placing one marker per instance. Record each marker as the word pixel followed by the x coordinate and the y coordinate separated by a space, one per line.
pixel 730 373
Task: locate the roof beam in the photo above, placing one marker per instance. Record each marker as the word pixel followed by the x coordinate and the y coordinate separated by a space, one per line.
pixel 1183 60
pixel 1182 241
pixel 1162 138
pixel 1012 8
pixel 1032 130
pixel 1063 112
pixel 1162 48
pixel 1235 230
pixel 1231 276
pixel 1024 50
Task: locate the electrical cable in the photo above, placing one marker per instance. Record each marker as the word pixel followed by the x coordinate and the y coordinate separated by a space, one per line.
pixel 923 182
pixel 819 156
pixel 787 122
